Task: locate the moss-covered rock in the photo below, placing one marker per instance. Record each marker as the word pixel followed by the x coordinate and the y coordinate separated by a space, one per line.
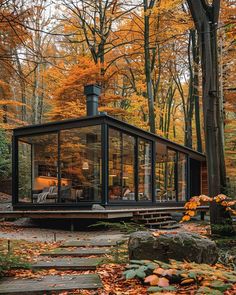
pixel 179 246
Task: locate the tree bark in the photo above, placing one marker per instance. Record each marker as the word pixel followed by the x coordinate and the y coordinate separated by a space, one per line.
pixel 195 54
pixel 205 17
pixel 147 62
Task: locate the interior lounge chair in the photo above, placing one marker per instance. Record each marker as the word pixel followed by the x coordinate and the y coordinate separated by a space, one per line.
pixel 48 195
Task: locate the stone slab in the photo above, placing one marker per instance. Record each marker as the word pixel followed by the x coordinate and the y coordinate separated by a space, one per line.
pixel 76 252
pixel 49 284
pixel 70 263
pixel 95 243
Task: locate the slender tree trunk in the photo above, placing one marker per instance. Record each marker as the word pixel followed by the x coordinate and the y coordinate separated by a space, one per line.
pixel 147 62
pixel 190 102
pixel 195 54
pixel 22 88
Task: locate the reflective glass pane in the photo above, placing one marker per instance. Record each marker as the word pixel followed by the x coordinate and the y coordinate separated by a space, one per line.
pixel 182 177
pixel 38 168
pixel 161 162
pixel 171 175
pixel 144 170
pixel 80 158
pixel 24 172
pixel 115 165
pixel 121 166
pixel 128 191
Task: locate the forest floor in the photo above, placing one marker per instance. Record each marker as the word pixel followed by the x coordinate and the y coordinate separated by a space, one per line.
pixel 27 240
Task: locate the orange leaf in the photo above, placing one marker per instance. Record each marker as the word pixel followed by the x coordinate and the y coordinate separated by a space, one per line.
pixel 152 280
pixel 163 282
pixel 169 272
pixel 186 218
pixel 159 271
pixel 187 281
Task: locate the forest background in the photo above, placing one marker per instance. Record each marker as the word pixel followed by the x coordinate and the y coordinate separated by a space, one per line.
pixel 144 54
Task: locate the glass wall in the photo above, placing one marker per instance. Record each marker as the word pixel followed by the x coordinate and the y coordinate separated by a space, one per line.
pixel 24 172
pixel 161 163
pixel 144 170
pixel 38 168
pixel 182 177
pixel 121 174
pixel 66 167
pixel 79 176
pixel 171 175
pixel 80 160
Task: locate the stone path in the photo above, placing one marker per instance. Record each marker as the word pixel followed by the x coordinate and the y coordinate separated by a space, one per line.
pixel 96 243
pixel 76 252
pixel 70 263
pixel 49 284
pixel 63 259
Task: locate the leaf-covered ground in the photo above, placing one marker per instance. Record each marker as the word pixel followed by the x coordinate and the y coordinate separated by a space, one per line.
pixel 194 278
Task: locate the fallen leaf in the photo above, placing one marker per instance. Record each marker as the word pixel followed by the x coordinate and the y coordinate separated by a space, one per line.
pixel 152 280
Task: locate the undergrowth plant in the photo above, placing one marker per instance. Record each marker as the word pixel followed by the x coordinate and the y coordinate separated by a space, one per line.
pixel 10 261
pixel 164 277
pixel 125 227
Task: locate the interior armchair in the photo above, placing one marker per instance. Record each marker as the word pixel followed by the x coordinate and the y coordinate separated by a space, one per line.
pixel 47 195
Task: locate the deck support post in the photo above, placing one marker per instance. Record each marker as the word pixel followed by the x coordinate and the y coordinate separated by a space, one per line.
pixel 72 225
pixel 202 215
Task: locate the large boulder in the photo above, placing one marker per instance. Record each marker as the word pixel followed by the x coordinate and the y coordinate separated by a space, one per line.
pixel 179 246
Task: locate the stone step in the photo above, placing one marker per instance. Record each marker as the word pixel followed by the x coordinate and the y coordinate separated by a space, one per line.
pixel 162 222
pixel 69 263
pixel 49 284
pixel 76 252
pixel 93 243
pixel 154 218
pixel 151 213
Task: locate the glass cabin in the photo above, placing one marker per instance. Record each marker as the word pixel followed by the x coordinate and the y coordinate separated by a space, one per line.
pixel 100 160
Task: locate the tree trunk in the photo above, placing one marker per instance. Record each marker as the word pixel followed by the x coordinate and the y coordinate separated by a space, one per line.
pixel 147 62
pixel 205 17
pixel 195 54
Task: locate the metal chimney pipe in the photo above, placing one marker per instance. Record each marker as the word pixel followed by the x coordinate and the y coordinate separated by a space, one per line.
pixel 92 93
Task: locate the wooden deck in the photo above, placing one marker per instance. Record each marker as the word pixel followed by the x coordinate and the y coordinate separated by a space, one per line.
pixel 90 214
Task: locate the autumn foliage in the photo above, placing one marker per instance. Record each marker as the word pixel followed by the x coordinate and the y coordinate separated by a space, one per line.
pixel 192 205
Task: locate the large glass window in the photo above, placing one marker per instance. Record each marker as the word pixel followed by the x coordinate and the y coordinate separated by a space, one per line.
pixel 182 177
pixel 161 163
pixel 144 170
pixel 80 159
pixel 121 166
pixel 128 175
pixel 171 175
pixel 38 169
pixel 24 172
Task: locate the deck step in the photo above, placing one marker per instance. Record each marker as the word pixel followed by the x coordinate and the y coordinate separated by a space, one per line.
pixel 49 284
pixel 77 252
pixel 155 218
pixel 70 263
pixel 162 222
pixel 151 213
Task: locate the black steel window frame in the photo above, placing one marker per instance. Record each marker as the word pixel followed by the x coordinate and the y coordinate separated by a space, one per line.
pixel 136 137
pixel 15 184
pixel 105 121
pixel 152 161
pixel 177 174
pixel 39 132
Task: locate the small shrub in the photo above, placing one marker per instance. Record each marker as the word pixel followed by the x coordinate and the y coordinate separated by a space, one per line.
pixel 125 227
pixel 10 261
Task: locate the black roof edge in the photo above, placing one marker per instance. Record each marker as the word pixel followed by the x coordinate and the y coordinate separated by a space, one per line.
pixel 105 116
